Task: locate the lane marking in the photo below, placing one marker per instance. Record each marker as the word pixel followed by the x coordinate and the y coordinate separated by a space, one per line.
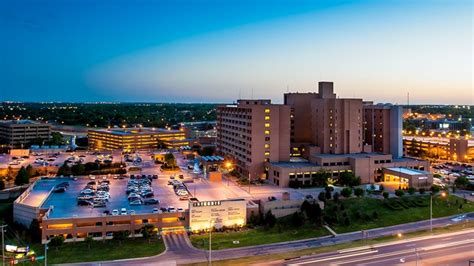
pixel 335 257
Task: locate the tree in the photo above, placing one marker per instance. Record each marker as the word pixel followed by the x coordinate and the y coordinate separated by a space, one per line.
pixel 297 219
pixel 381 187
pixel 22 177
pixel 207 151
pixel 411 190
pixel 461 182
pixel 120 236
pixel 336 196
pixel 56 139
pixel 347 178
pixel 328 191
pixel 253 219
pixel 359 192
pixel 34 230
pixel 385 195
pixel 346 192
pixel 170 161
pixel 64 170
pixel 399 193
pixel 56 241
pixel 422 190
pixel 88 240
pixel 270 219
pixel 435 189
pixel 31 171
pixel 320 178
pixel 2 184
pixel 322 196
pixel 148 231
pixel 78 169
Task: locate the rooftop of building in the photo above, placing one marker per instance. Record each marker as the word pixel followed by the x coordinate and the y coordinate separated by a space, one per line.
pixel 135 131
pixel 407 171
pixel 20 122
pixel 351 155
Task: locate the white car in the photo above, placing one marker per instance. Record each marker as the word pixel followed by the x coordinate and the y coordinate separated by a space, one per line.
pixel 115 212
pixel 92 177
pixel 123 211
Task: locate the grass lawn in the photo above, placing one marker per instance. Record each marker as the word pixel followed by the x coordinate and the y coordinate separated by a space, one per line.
pixel 310 251
pixel 258 236
pixel 100 251
pixel 386 216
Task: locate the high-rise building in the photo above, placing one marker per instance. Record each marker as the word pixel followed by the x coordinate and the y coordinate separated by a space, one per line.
pixel 253 132
pixel 383 128
pixel 21 133
pixel 321 119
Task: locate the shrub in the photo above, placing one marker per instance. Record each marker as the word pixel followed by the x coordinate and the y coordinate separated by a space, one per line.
pixel 322 196
pixel 270 219
pixel 411 190
pixel 399 193
pixel 336 197
pixel 346 192
pixel 297 219
pixel 359 192
pixel 422 190
pixel 385 194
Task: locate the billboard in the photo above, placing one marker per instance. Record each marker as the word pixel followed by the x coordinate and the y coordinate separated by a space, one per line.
pixel 216 214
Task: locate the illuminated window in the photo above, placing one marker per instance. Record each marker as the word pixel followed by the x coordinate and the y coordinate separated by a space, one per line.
pixel 267 132
pixel 267 153
pixel 267 146
pixel 267 111
pixel 267 118
pixel 267 124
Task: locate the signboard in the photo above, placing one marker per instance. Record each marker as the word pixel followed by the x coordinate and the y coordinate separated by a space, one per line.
pixel 216 214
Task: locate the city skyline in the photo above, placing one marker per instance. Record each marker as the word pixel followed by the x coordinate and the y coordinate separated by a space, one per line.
pixel 170 53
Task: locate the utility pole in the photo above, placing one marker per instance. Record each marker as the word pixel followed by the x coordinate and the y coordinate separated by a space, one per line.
pixel 3 242
pixel 46 254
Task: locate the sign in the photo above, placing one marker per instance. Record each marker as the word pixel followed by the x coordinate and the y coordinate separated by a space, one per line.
pixel 216 214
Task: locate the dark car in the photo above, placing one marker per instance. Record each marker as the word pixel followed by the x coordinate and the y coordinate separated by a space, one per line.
pixel 83 203
pixel 147 194
pixel 99 204
pixel 59 189
pixel 151 201
pixel 91 183
pixel 106 212
pixel 155 176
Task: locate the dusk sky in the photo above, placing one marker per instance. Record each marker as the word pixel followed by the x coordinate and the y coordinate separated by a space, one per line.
pixel 214 51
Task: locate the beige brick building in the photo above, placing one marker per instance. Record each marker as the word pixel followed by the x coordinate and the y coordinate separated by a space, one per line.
pixel 253 132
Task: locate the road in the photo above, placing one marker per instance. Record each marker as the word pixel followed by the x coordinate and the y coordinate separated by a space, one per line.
pixel 447 249
pixel 180 251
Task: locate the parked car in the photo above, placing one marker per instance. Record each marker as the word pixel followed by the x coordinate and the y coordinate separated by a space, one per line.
pixel 99 204
pixel 116 212
pixel 123 211
pixel 132 211
pixel 171 209
pixel 180 210
pixel 155 210
pixel 151 201
pixel 136 202
pixel 107 212
pixel 83 202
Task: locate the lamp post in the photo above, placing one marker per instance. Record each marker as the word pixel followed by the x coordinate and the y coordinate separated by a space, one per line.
pixel 2 227
pixel 443 194
pixel 210 242
pixel 45 254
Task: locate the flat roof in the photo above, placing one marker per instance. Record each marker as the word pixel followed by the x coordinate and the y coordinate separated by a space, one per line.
pixel 407 171
pixel 135 131
pixel 351 155
pixel 295 164
pixel 21 122
pixel 40 191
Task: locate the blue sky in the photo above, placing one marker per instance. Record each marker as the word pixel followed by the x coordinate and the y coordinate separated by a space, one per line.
pixel 214 51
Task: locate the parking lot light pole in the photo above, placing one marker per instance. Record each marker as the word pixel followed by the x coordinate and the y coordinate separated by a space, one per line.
pixel 2 227
pixel 431 212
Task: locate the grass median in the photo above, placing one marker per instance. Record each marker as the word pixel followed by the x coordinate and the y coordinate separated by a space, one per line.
pixel 258 236
pixel 311 251
pixel 100 251
pixel 360 211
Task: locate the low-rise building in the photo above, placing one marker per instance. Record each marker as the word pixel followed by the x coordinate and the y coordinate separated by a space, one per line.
pixel 129 139
pixel 22 133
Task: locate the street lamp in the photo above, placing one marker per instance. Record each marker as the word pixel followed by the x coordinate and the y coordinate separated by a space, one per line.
pixel 443 194
pixel 210 242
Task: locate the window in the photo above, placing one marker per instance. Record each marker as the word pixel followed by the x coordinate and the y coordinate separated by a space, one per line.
pixel 267 153
pixel 267 111
pixel 267 132
pixel 267 146
pixel 267 118
pixel 267 124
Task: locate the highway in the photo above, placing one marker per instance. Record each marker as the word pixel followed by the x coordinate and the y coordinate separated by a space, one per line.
pixel 447 249
pixel 180 251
